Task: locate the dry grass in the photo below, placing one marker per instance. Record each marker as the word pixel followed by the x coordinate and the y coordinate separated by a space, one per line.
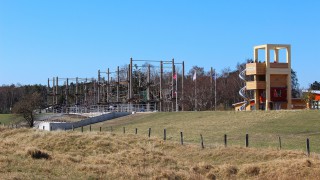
pixel 95 155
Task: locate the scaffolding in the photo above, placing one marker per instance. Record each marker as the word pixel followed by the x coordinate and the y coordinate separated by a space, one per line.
pixel 143 85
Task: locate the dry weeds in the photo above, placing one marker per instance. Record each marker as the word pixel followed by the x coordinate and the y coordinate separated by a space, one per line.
pixel 95 155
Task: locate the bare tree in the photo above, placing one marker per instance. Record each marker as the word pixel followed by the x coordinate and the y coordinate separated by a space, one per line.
pixel 27 107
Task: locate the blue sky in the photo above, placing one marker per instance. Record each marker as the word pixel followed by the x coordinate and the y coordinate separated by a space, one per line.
pixel 42 39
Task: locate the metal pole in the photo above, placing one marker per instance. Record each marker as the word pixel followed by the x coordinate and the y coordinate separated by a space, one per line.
pixel 118 77
pixel 85 92
pixel 94 91
pixel 211 88
pixel 160 92
pixel 67 92
pixel 172 85
pixel 48 90
pixel 130 98
pixel 177 107
pixel 215 90
pixel 77 84
pixel 53 92
pixel 108 85
pixel 195 91
pixel 99 83
pixel 148 88
pixel 182 88
pixel 128 84
pixel 57 90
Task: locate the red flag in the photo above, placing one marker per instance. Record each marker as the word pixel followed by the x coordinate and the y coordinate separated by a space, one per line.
pixel 175 76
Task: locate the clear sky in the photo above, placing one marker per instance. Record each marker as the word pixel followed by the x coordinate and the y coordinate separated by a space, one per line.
pixel 41 39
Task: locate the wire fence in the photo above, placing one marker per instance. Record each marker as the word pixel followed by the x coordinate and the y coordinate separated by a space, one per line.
pixel 309 143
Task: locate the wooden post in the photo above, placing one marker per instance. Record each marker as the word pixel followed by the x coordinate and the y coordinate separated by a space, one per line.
pixel 90 128
pixel 124 130
pixel 202 145
pixel 280 142
pixel 43 128
pixel 164 134
pixel 100 129
pixel 149 132
pixel 81 128
pixel 50 128
pixel 181 138
pixel 308 147
pixel 136 130
pixel 72 127
pixel 225 140
pixel 247 140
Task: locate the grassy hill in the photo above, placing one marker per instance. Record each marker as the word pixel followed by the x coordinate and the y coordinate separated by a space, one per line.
pixel 264 128
pixel 35 154
pixel 7 119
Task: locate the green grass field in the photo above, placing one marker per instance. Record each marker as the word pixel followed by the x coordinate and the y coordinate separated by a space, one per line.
pixel 8 119
pixel 264 128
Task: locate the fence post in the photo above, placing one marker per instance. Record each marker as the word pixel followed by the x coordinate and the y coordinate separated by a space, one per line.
pixel 181 138
pixel 308 147
pixel 247 140
pixel 280 143
pixel 50 128
pixel 100 129
pixel 90 127
pixel 202 145
pixel 136 131
pixel 149 134
pixel 43 128
pixel 225 140
pixel 124 130
pixel 72 127
pixel 164 134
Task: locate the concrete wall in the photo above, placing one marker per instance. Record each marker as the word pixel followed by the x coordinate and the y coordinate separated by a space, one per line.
pixel 68 125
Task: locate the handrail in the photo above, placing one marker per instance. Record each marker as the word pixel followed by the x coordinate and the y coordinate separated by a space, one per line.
pixel 242 91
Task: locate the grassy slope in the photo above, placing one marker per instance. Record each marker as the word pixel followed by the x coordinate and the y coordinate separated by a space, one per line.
pixel 94 155
pixel 263 127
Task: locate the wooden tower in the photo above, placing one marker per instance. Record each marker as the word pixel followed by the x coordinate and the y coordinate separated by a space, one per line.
pixel 271 80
